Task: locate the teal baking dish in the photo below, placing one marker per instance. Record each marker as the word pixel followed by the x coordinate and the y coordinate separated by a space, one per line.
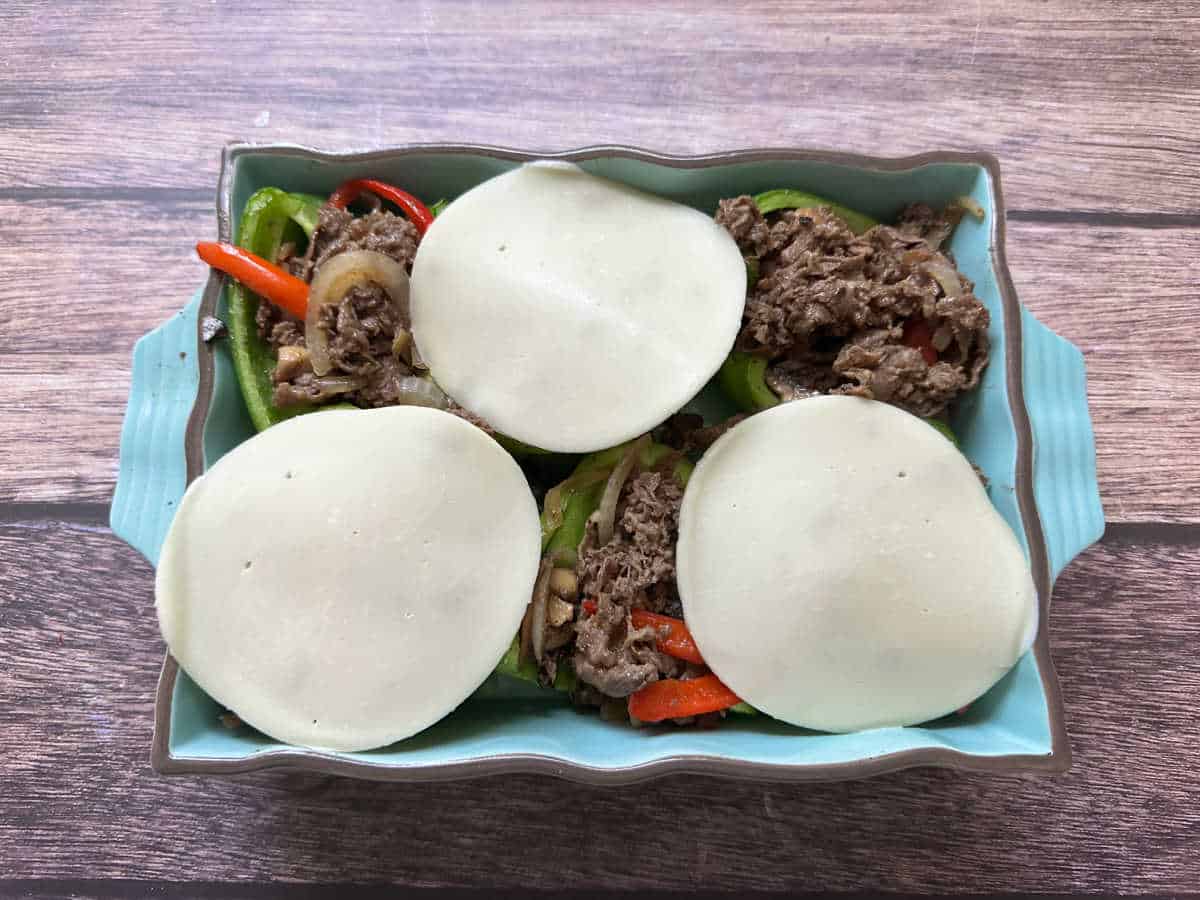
pixel 1027 427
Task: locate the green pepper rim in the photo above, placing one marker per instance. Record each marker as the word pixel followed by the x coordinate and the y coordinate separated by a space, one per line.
pixel 264 221
pixel 743 377
pixel 787 198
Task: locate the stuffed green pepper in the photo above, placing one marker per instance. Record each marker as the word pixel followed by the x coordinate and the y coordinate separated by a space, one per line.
pixel 605 622
pixel 318 309
pixel 840 304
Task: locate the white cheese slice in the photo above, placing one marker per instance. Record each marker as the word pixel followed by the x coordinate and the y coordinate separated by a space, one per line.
pixel 842 568
pixel 572 312
pixel 345 579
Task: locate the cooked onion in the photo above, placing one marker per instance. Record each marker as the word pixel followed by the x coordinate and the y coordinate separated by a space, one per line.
pixel 943 273
pixel 291 362
pixel 971 205
pixel 541 595
pixel 325 386
pixel 939 234
pixel 405 349
pixel 332 282
pixel 942 338
pixel 415 391
pixel 339 384
pixel 417 362
pixel 309 388
pixel 533 625
pixel 402 345
pixel 606 515
pixel 937 267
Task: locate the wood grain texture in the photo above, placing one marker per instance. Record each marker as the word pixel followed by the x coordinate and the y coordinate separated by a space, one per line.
pixel 90 276
pixel 1123 296
pixel 80 800
pixel 1141 382
pixel 111 120
pixel 82 280
pixel 1086 102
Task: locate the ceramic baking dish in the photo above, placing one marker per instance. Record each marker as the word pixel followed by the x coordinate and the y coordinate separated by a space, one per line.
pixel 1026 427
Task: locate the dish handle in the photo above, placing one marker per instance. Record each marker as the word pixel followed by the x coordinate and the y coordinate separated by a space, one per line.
pixel 152 475
pixel 1064 449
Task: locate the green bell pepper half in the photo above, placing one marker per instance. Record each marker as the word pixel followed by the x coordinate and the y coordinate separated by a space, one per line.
pixel 270 216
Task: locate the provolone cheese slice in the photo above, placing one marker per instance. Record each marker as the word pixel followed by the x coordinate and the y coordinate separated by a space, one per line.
pixel 842 568
pixel 572 312
pixel 346 578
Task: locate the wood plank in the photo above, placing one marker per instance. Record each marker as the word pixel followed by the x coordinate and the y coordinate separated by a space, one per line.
pixel 92 276
pixel 1123 297
pixel 80 639
pixel 70 312
pixel 1091 106
pixel 111 120
pixel 84 280
pixel 60 425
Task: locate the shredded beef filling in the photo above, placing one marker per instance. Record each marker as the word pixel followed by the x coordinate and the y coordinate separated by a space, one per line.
pixel 829 307
pixel 637 567
pixel 616 658
pixel 338 230
pixel 634 570
pixel 366 367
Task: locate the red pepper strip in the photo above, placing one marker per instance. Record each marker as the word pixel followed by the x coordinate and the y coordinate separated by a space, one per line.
pixel 919 336
pixel 264 278
pixel 417 212
pixel 676 699
pixel 678 641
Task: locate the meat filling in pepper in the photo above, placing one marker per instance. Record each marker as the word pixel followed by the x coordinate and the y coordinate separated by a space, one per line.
pixel 883 314
pixel 605 621
pixel 362 327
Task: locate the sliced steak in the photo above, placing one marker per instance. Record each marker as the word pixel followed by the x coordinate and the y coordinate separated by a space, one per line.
pixel 634 570
pixel 361 328
pixel 339 230
pixel 637 567
pixel 616 658
pixel 829 306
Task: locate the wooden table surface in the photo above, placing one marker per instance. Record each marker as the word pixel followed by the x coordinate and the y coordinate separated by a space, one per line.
pixel 111 122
